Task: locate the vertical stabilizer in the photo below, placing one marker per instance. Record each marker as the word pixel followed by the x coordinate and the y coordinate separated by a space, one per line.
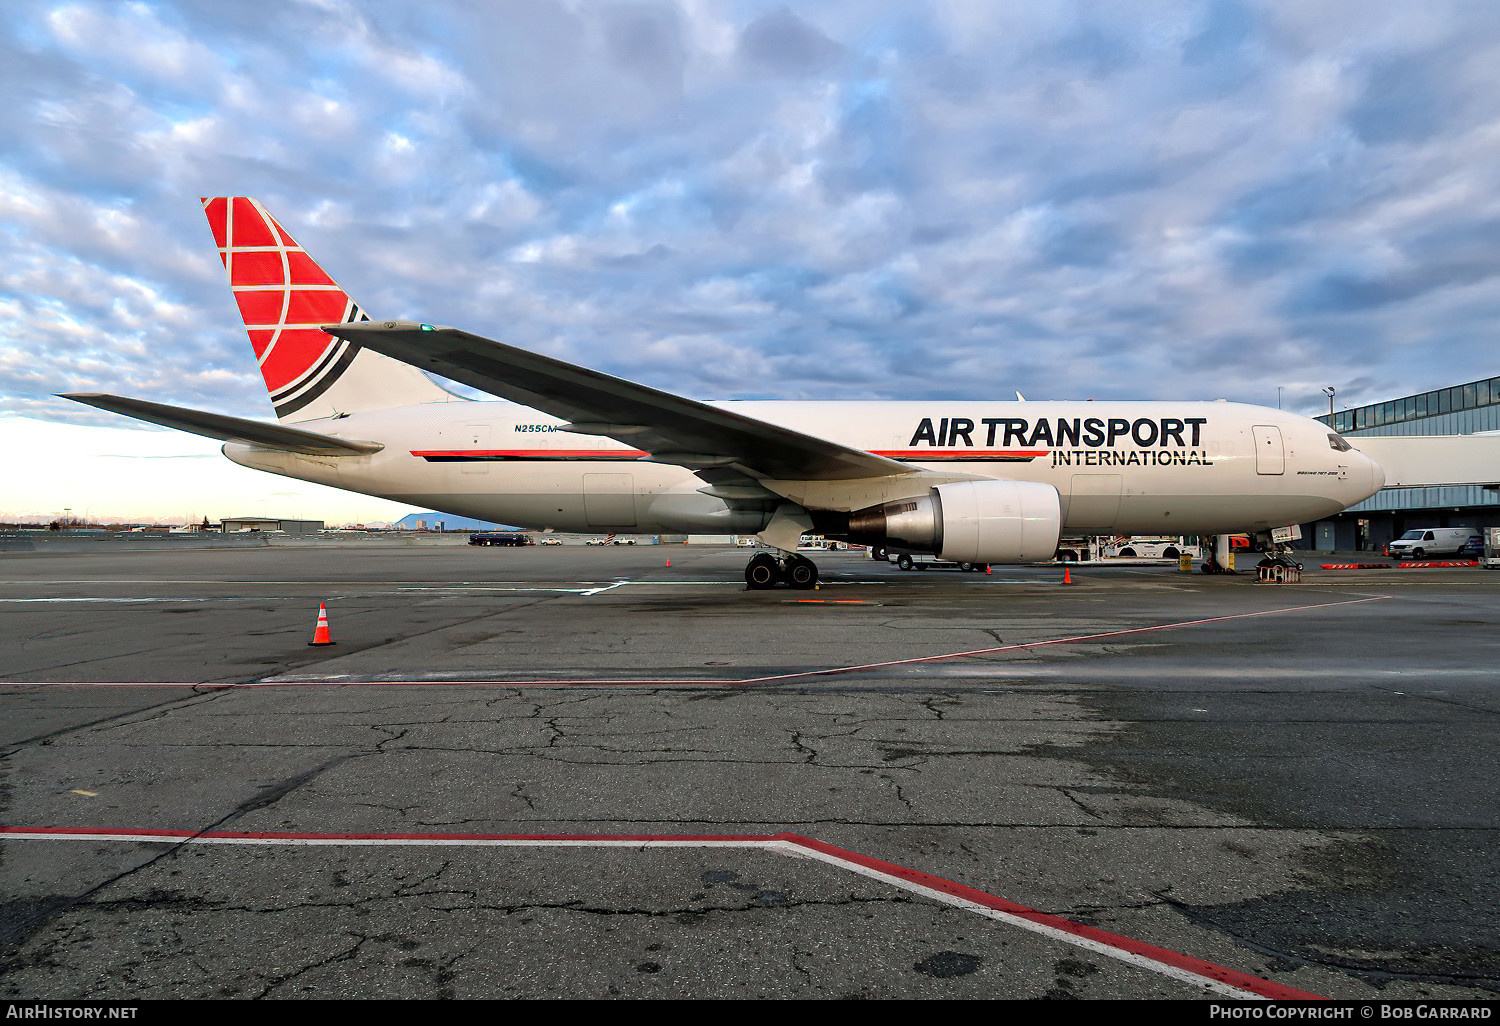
pixel 283 296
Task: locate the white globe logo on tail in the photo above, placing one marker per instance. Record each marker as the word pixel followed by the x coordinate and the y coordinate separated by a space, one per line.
pixel 283 296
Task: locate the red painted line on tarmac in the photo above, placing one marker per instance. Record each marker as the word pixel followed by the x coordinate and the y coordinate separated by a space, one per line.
pixel 1139 953
pixel 1187 963
pixel 1056 641
pixel 654 682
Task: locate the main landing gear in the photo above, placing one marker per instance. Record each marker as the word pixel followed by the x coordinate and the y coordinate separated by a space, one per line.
pixel 1218 554
pixel 766 571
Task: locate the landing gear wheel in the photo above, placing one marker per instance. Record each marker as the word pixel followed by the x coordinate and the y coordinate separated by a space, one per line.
pixel 761 572
pixel 966 567
pixel 801 573
pixel 904 561
pixel 1279 559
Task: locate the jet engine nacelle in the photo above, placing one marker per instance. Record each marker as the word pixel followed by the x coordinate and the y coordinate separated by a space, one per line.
pixel 969 522
pixel 999 521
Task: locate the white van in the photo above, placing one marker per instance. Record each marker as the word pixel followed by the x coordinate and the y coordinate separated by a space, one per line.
pixel 1433 541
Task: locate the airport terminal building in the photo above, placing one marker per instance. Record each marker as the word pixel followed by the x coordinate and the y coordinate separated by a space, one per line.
pixel 1460 410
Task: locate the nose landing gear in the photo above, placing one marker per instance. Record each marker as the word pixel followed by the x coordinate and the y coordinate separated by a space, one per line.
pixel 766 571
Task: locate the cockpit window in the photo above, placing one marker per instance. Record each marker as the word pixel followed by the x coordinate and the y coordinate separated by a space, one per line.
pixel 1337 442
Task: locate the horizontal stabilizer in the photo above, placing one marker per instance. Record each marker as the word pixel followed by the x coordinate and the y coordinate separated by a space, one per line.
pixel 228 429
pixel 1418 460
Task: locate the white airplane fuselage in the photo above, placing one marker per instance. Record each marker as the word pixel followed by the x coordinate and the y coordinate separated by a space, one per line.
pixel 1119 467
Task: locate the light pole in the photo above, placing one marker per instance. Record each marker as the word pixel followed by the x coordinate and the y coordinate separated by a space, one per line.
pixel 1329 392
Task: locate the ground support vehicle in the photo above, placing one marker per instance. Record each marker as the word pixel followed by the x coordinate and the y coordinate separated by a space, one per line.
pixel 1433 541
pixel 1147 547
pixel 500 538
pixel 1491 558
pixel 927 561
pixel 1077 549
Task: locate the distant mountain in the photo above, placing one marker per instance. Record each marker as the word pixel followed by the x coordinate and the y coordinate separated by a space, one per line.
pixel 449 522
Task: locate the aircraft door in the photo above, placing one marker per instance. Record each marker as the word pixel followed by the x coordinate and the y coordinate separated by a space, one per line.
pixel 1270 456
pixel 609 500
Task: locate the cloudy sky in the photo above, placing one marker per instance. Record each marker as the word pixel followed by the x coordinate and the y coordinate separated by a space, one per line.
pixel 744 199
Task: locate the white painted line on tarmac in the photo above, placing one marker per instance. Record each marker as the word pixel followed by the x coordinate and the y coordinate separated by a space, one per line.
pixel 777 678
pixel 1215 979
pixel 157 599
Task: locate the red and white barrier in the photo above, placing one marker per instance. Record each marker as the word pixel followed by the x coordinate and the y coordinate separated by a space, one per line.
pixel 1400 566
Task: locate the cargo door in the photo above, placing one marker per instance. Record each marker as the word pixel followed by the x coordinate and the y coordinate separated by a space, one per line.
pixel 1093 501
pixel 609 500
pixel 1270 457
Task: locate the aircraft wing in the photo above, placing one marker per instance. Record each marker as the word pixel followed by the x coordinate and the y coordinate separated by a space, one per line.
pixel 229 429
pixel 670 428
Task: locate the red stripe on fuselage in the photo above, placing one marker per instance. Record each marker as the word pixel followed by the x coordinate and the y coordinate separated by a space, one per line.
pixel 930 455
pixel 917 455
pixel 529 454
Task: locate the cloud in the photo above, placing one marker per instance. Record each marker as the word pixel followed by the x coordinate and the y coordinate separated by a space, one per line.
pixel 783 44
pixel 846 200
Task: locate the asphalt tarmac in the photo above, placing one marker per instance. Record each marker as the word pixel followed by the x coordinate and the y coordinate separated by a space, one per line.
pixel 578 771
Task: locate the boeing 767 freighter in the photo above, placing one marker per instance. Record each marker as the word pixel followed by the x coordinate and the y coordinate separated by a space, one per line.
pixel 571 449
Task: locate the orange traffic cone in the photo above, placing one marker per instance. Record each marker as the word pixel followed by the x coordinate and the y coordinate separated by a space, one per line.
pixel 987 570
pixel 669 562
pixel 1067 576
pixel 320 634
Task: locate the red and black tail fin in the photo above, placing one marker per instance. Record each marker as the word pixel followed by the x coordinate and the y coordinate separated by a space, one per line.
pixel 284 296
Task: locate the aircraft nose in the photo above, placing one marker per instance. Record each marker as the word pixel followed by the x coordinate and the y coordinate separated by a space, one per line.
pixel 1377 475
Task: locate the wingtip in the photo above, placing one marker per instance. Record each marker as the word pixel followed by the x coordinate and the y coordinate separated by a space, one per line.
pixel 366 327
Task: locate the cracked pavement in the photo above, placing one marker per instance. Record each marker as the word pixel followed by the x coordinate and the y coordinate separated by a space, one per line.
pixel 1291 795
